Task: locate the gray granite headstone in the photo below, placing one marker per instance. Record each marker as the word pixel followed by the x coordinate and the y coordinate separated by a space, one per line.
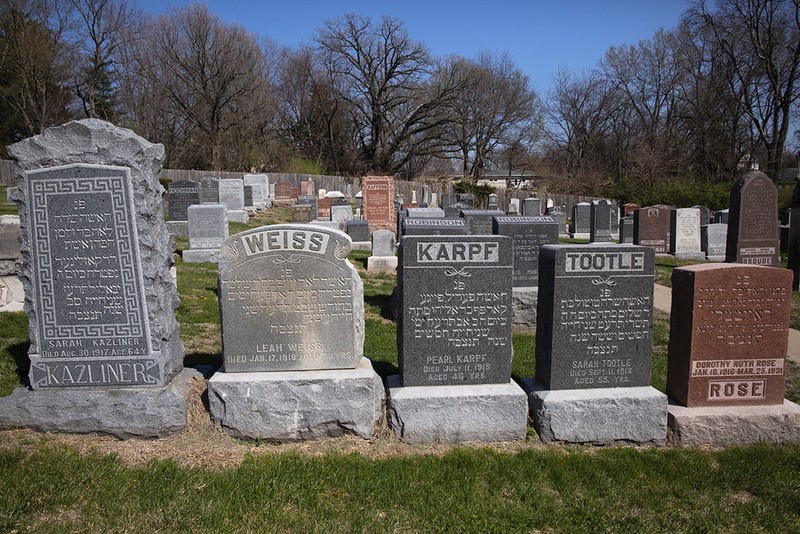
pixel 753 236
pixel 581 219
pixel 445 202
pixel 290 300
pixel 248 196
pixel 594 316
pixel 513 206
pixel 528 234
pixel 492 204
pixel 259 193
pixel 559 214
pixel 685 234
pixel 231 194
pixel 383 243
pixel 713 240
pixel 209 190
pixel 455 301
pixel 599 221
pixel 310 200
pixel 99 295
pixel 208 226
pixel 440 226
pixel 423 213
pixel 721 216
pixel 455 209
pixel 531 207
pixel 479 222
pixel 705 215
pixel 182 194
pixel 341 214
pixel 626 229
pixel 358 231
pixel 466 198
pixel 614 214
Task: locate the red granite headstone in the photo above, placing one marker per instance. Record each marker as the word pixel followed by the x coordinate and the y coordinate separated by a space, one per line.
pixel 378 202
pixel 651 227
pixel 629 208
pixel 729 333
pixel 283 194
pixel 324 208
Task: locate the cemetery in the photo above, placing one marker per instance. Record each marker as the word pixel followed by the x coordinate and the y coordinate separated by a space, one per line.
pixel 389 334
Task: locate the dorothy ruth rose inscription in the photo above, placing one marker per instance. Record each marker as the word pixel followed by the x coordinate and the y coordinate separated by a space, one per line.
pixel 290 300
pixel 87 277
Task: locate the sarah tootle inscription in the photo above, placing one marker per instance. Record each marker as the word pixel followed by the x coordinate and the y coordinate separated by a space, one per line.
pixel 455 326
pixel 594 316
pixel 87 279
pixel 290 300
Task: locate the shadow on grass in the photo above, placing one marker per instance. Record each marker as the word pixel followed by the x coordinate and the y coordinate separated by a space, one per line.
pixel 199 359
pixel 384 303
pixel 19 352
pixel 359 261
pixel 385 369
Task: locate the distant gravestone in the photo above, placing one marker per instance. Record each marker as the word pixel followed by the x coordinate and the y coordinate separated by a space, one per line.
pixel 513 206
pixel 283 194
pixel 260 185
pixel 209 190
pixel 455 209
pixel 651 227
pixel 492 204
pixel 104 342
pixel 721 216
pixel 283 290
pixel 706 215
pixel 309 200
pixel 753 237
pixel 713 241
pixel 358 231
pixel 426 195
pixel 301 214
pixel 629 208
pixel 728 335
pixel 685 234
pixel 383 258
pixel 466 198
pixel 377 202
pixel 10 255
pixel 479 222
pixel 600 221
pixel 532 207
pixel 580 227
pixel 438 343
pixel 593 347
pixel 614 215
pixel 182 194
pixel 559 214
pixel 342 214
pixel 324 209
pixel 528 234
pixel 248 196
pixel 626 230
pixel 424 213
pixel 208 228
pixel 435 226
pixel 231 195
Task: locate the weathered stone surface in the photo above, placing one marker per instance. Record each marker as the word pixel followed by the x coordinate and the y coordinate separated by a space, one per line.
pixel 341 214
pixel 248 196
pixel 528 235
pixel 311 201
pixel 231 194
pixel 559 214
pixel 594 316
pixel 208 229
pixel 729 333
pixel 685 234
pixel 713 241
pixel 120 412
pixel 10 255
pixel 734 426
pixel 531 207
pixel 610 416
pixel 524 302
pixel 117 172
pixel 301 214
pixel 456 414
pixel 629 208
pixel 358 231
pixel 298 405
pixel 455 310
pixel 378 202
pixel 753 237
pixel 383 243
pixel 706 215
pixel 290 300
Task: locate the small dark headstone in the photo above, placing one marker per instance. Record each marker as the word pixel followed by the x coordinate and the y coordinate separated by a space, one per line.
pixel 209 190
pixel 479 222
pixel 581 219
pixel 651 227
pixel 600 222
pixel 528 235
pixel 248 196
pixel 753 237
pixel 182 194
pixel 309 200
pixel 626 230
pixel 358 231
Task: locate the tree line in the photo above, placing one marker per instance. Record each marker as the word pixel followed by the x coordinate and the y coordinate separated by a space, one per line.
pixel 695 102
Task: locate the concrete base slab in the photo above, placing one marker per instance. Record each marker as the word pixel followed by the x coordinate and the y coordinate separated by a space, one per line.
pixel 698 255
pixel 298 405
pixel 362 245
pixel 719 258
pixel 201 255
pixel 524 301
pixel 609 416
pixel 734 426
pixel 12 294
pixel 178 228
pixel 581 235
pixel 239 216
pixel 120 412
pixel 382 264
pixel 455 414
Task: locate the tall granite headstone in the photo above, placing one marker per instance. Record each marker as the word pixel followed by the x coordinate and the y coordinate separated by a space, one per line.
pixel 209 190
pixel 559 214
pixel 527 234
pixel 651 227
pixel 626 230
pixel 753 237
pixel 182 194
pixel 685 234
pixel 531 207
pixel 377 202
pixel 580 227
pixel 713 241
pixel 99 294
pixel 706 215
pixel 599 221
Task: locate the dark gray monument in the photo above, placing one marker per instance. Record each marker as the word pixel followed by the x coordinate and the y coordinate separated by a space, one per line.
pixel 580 227
pixel 559 214
pixel 479 222
pixel 600 221
pixel 309 200
pixel 359 232
pixel 528 234
pixel 248 196
pixel 209 190
pixel 706 216
pixel 182 194
pixel 440 226
pixel 753 237
pixel 626 229
pixel 105 350
pixel 531 207
pixel 466 198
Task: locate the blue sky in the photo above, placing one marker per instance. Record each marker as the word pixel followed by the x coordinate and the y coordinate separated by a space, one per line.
pixel 540 35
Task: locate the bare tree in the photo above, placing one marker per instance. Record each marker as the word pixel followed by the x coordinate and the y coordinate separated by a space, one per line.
pixel 761 42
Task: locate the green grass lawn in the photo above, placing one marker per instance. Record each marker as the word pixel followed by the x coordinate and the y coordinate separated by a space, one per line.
pixel 48 485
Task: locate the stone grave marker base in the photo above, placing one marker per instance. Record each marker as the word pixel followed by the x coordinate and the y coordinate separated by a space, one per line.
pixel 362 245
pixel 382 264
pixel 607 416
pixel 698 255
pixel 734 426
pixel 524 301
pixel 178 228
pixel 201 255
pixel 298 405
pixel 580 235
pixel 455 414
pixel 239 216
pixel 120 412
